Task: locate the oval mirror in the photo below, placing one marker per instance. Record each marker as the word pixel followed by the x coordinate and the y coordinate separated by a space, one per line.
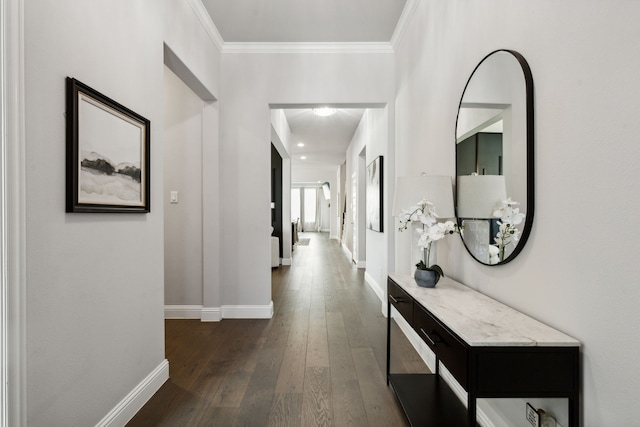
pixel 494 158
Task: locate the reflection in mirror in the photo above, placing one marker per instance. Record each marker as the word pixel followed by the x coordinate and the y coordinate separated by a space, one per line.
pixel 494 158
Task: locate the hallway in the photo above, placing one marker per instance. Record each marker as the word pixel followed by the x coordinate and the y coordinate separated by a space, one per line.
pixel 319 361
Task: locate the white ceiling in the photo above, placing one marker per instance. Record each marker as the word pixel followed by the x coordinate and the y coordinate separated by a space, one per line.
pixel 305 21
pixel 325 139
pixel 310 21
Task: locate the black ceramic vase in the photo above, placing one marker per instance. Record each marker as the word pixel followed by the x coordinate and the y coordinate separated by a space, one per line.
pixel 428 278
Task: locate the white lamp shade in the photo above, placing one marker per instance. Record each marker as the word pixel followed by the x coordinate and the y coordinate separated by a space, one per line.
pixel 480 195
pixel 412 189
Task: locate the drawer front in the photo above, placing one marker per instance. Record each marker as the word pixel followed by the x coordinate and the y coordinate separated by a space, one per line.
pixel 401 300
pixel 527 371
pixel 444 344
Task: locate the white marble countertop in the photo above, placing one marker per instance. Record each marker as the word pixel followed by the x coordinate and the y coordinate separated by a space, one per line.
pixel 480 320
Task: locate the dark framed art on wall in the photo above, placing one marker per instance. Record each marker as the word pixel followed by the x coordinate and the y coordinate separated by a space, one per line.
pixel 374 195
pixel 108 155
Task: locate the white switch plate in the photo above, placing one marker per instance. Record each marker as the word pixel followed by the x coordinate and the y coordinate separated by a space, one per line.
pixel 173 197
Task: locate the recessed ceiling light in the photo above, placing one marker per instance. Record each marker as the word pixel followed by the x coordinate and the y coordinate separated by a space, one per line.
pixel 303 157
pixel 300 144
pixel 324 111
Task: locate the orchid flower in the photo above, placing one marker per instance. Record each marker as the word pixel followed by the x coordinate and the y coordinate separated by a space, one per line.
pixel 510 216
pixel 425 213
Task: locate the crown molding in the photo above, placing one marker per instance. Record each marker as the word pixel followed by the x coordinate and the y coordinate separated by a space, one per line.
pixel 206 21
pixel 348 47
pixel 403 23
pixel 276 47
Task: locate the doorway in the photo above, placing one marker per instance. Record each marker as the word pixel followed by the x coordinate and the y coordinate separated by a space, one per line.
pixel 191 197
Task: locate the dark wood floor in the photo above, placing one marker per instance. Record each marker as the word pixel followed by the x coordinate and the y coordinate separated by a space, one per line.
pixel 320 361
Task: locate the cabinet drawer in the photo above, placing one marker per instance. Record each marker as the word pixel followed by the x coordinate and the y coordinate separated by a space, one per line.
pixel 401 300
pixel 444 344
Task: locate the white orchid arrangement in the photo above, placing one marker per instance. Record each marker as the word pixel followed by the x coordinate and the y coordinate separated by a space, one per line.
pixel 431 231
pixel 509 216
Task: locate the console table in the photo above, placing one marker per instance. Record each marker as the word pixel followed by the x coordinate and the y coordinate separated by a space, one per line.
pixel 491 349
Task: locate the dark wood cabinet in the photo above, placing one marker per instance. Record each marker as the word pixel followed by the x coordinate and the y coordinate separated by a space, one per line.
pixel 490 349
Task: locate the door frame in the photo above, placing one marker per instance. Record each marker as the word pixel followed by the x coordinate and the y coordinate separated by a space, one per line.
pixel 12 215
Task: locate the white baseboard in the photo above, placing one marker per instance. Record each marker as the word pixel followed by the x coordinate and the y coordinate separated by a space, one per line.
pixel 349 255
pixel 347 252
pixel 285 261
pixel 182 311
pixel 215 314
pixel 374 285
pixel 247 311
pixel 131 404
pixel 333 237
pixel 211 314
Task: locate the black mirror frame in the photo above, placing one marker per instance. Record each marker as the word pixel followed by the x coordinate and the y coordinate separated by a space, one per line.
pixel 528 223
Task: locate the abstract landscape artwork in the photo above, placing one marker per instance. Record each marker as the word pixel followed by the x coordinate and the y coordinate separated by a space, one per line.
pixel 374 195
pixel 107 154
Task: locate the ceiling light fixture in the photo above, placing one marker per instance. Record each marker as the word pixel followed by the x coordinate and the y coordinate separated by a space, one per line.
pixel 324 111
pixel 300 144
pixel 303 157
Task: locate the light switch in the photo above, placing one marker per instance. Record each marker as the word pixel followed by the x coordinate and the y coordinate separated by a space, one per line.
pixel 173 197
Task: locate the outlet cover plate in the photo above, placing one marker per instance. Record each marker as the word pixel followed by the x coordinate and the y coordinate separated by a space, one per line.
pixel 532 416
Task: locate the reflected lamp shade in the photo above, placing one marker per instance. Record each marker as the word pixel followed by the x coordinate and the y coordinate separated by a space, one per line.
pixel 412 189
pixel 480 195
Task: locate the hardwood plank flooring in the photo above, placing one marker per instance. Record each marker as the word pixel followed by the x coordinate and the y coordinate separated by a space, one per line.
pixel 320 361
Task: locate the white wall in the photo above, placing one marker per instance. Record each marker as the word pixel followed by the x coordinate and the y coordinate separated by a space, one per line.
pixel 94 292
pixel 372 136
pixel 250 83
pixel 192 52
pixel 576 272
pixel 95 285
pixel 190 34
pixel 182 173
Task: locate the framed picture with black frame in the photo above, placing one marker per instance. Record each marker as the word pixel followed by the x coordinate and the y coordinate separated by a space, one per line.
pixel 374 215
pixel 108 154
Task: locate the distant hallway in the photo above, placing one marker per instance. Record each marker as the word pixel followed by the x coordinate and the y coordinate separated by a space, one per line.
pixel 320 361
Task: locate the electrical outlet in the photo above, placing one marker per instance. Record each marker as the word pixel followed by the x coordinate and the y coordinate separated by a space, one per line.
pixel 532 416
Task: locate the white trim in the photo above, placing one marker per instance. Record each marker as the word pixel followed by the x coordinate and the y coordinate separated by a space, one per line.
pixel 374 285
pixel 247 311
pixel 183 311
pixel 216 314
pixel 364 47
pixel 285 261
pixel 403 23
pixel 211 314
pixel 131 404
pixel 361 264
pixel 12 214
pixel 4 242
pixel 207 23
pixel 347 252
